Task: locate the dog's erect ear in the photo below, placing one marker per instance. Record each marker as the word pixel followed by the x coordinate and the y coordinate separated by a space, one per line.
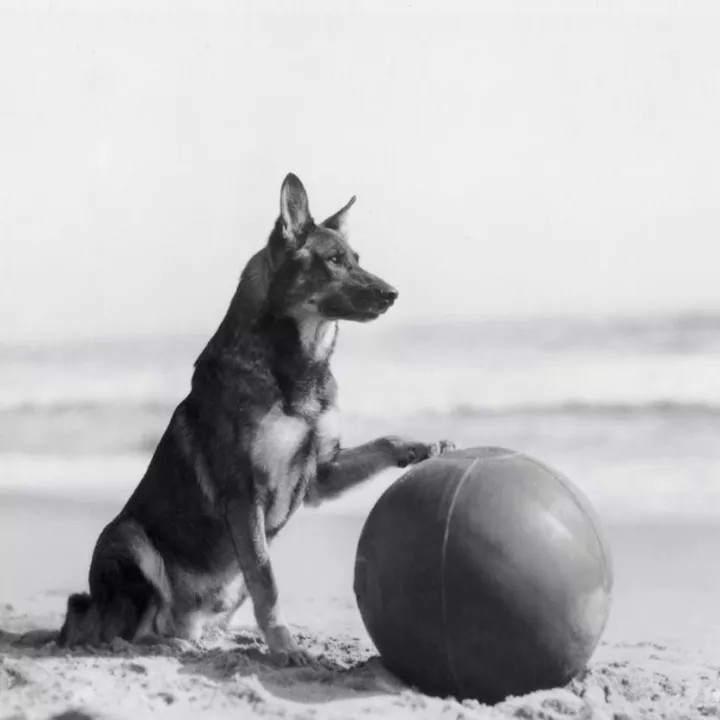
pixel 338 221
pixel 294 209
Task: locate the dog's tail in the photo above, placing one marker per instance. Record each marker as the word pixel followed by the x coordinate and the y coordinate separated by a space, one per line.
pixel 82 624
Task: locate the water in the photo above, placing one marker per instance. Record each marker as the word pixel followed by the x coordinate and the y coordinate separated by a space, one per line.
pixel 630 409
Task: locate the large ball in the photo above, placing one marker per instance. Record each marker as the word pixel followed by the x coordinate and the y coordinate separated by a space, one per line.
pixel 483 573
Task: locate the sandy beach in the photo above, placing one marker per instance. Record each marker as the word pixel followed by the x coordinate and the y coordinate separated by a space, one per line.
pixel 660 655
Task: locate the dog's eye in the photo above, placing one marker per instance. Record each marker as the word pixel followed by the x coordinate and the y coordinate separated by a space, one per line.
pixel 336 259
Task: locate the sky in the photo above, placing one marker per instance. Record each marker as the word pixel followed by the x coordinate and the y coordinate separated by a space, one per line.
pixel 508 158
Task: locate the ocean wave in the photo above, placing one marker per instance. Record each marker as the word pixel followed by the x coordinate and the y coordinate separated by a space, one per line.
pixel 80 406
pixel 569 408
pixel 580 408
pixel 111 476
pixel 666 366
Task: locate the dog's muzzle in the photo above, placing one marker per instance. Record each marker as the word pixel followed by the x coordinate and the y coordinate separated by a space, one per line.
pixel 387 295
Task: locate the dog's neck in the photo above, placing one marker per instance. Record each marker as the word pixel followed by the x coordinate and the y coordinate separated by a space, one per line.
pixel 317 337
pixel 301 339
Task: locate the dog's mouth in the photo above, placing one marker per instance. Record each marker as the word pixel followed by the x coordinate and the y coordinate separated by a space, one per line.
pixel 338 311
pixel 366 316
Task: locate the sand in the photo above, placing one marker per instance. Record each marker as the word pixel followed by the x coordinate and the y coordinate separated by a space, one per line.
pixel 660 656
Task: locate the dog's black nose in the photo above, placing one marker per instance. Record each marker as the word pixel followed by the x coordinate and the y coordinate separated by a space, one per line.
pixel 389 294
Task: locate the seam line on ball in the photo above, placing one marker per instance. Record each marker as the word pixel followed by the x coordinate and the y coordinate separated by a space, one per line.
pixel 443 598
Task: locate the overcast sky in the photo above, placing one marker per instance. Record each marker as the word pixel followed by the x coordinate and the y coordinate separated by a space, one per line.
pixel 505 161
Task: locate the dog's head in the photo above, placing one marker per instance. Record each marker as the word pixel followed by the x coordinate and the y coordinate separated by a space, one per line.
pixel 315 271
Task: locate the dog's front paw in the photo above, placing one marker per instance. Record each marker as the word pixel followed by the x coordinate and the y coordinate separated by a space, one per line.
pixel 284 650
pixel 411 452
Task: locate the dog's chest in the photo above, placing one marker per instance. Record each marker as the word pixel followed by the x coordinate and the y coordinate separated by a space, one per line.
pixel 292 440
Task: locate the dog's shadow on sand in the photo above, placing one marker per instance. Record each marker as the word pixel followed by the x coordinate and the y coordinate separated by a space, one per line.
pixel 340 670
pixel 239 662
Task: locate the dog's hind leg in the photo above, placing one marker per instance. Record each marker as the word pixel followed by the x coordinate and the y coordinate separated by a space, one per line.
pixel 147 628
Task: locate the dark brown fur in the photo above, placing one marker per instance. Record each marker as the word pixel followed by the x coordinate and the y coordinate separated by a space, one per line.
pixel 255 437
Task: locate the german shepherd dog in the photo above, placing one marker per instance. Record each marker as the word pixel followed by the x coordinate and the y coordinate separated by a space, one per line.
pixel 256 436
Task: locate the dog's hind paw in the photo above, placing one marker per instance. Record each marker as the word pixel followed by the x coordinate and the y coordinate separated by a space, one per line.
pixel 36 638
pixel 167 644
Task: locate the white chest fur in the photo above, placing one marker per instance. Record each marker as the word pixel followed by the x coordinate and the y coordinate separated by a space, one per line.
pixel 279 437
pixel 328 434
pixel 276 442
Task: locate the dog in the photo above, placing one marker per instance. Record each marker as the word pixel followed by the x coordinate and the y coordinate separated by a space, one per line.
pixel 256 437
